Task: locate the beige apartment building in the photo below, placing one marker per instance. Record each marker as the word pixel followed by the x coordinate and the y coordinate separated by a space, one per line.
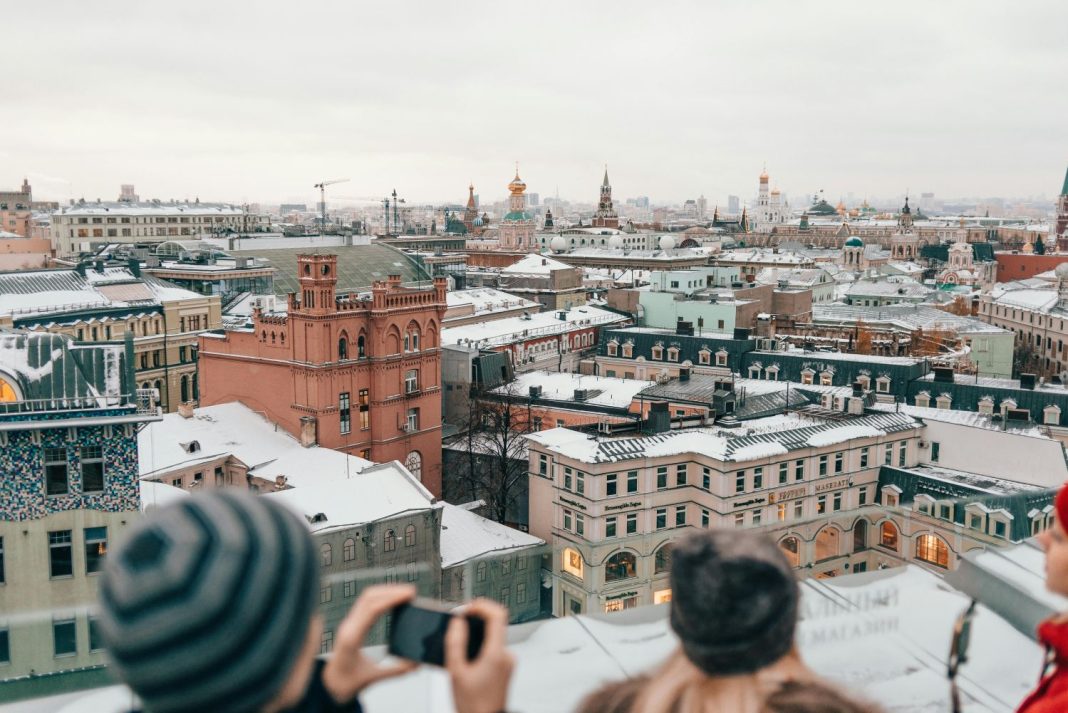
pixel 78 226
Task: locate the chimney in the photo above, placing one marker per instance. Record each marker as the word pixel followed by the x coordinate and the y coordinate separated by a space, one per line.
pixel 1027 381
pixel 185 409
pixel 684 374
pixel 99 266
pixel 659 419
pixel 855 405
pixel 308 437
pixel 944 374
pixel 135 266
pixel 858 390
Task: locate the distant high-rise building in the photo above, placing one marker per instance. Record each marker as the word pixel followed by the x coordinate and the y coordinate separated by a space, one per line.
pixel 127 194
pixel 734 204
pixel 702 206
pixel 533 199
pixel 606 216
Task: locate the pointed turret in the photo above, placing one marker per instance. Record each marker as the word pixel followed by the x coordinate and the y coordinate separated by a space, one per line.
pixel 1064 188
pixel 606 184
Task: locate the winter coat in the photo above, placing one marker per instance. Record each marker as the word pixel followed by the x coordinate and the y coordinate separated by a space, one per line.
pixel 1051 696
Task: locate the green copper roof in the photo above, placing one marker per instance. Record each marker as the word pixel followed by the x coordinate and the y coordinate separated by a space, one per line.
pixel 854 242
pixel 358 266
pixel 517 215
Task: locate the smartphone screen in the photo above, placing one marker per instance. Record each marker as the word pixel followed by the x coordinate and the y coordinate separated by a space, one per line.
pixel 418 633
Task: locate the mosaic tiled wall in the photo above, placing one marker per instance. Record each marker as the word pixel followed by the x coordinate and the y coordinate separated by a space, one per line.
pixel 22 483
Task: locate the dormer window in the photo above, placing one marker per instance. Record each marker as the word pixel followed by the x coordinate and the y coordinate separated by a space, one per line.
pixel 628 349
pixel 704 357
pixel 865 382
pixel 882 385
pixel 613 348
pixel 754 371
pixel 944 401
pixel 986 406
pixel 658 352
pixel 807 376
pixel 1051 415
pixel 721 357
pixel 826 377
pixel 923 399
pixel 673 353
pixel 772 373
pixel 191 446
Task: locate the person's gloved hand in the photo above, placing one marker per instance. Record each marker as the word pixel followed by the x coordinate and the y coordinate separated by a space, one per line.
pixel 481 685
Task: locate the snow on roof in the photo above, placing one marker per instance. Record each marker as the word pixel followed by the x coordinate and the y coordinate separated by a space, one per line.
pixel 534 264
pixel 154 495
pixel 119 208
pixel 973 419
pixel 486 300
pixel 378 492
pixel 466 536
pixel 519 329
pixel 600 390
pixel 720 444
pixel 841 434
pixel 233 429
pixel 1040 300
pixel 907 316
pixel 889 288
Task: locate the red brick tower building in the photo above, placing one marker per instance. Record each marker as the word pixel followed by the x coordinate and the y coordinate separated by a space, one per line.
pixel 350 373
pixel 606 216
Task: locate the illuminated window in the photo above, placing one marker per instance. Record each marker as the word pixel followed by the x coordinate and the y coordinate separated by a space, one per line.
pixel 571 562
pixel 96 548
pixel 888 536
pixel 620 604
pixel 621 565
pixel 8 393
pixel 807 376
pixel 662 596
pixel 932 550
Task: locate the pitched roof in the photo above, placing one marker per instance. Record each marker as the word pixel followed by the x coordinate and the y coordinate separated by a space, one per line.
pixel 358 266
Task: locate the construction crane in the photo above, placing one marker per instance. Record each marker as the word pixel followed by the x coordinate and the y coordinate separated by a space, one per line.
pixel 322 199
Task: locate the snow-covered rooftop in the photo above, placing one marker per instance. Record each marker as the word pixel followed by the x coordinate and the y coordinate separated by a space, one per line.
pixel 375 493
pixel 466 536
pixel 720 444
pixel 600 390
pixel 535 264
pixel 973 419
pixel 486 300
pixel 119 208
pixel 520 329
pixel 233 429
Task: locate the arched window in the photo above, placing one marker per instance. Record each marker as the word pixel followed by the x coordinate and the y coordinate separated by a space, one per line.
pixel 663 559
pixel 342 348
pixel 860 536
pixel 932 550
pixel 792 549
pixel 185 388
pixel 621 565
pixel 571 562
pixel 409 536
pixel 390 540
pixel 414 463
pixel 828 543
pixel 326 554
pixel 480 572
pixel 348 551
pixel 361 347
pixel 888 536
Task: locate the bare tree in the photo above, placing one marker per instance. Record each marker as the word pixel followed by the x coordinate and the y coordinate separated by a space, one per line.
pixel 495 466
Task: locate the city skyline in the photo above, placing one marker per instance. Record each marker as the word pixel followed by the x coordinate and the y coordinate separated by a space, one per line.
pixel 696 101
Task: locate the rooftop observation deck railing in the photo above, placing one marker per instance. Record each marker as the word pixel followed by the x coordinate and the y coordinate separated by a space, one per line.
pixel 884 635
pixel 144 400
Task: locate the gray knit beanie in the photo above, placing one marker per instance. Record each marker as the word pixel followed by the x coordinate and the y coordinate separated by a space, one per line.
pixel 206 605
pixel 734 600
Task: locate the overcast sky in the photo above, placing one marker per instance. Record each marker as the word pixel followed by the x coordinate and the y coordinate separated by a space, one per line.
pixel 258 101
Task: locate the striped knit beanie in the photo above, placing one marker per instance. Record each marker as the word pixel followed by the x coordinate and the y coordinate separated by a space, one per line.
pixel 206 605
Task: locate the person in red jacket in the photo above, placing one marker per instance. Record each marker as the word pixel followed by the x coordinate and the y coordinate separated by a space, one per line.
pixel 1052 692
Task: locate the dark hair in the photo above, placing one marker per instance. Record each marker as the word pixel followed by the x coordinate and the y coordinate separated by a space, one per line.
pixel 813 697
